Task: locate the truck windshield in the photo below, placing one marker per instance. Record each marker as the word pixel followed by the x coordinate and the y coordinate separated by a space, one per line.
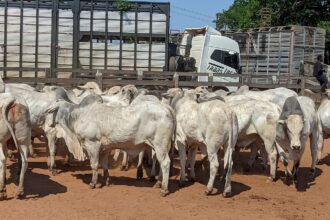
pixel 226 58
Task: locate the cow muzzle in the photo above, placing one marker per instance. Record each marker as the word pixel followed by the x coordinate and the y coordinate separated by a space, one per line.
pixel 296 147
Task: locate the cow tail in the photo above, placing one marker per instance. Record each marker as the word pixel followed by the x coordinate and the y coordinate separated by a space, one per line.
pixel 4 115
pixel 232 139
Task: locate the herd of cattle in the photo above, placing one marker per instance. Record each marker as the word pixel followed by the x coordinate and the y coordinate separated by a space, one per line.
pixel 275 123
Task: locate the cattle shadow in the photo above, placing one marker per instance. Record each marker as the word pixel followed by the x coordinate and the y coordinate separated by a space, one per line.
pixel 36 185
pixel 202 176
pixel 116 180
pixel 325 160
pixel 305 181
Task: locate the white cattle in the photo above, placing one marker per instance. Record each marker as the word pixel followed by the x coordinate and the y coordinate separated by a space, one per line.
pixel 298 122
pixel 38 103
pixel 324 124
pixel 277 96
pixel 210 124
pixel 96 128
pixel 256 120
pixel 127 95
pixel 15 123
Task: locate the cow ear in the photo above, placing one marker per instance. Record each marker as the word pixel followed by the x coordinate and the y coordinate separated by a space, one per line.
pixel 281 121
pixel 165 95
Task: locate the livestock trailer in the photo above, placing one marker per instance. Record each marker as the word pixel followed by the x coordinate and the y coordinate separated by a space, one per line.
pixel 277 50
pixel 82 34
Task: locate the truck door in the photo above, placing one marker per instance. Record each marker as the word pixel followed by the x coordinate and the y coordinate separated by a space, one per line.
pixel 224 62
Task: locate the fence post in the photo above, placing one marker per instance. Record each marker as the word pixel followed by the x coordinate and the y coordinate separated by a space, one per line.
pixel 176 80
pixel 139 74
pixel 303 82
pixel 99 79
pixel 210 79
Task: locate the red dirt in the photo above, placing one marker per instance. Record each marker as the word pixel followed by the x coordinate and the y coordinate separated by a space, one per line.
pixel 67 195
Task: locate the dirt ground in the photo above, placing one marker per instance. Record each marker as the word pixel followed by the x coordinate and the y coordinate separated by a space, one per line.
pixel 67 195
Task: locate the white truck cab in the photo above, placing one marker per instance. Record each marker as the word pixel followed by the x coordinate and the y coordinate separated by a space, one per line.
pixel 213 53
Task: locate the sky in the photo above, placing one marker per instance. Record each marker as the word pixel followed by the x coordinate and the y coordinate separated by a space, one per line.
pixel 195 13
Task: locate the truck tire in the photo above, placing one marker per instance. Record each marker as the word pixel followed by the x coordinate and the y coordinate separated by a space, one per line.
pixel 172 64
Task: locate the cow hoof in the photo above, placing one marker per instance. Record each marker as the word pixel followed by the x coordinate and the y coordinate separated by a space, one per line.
pixel 139 174
pixel 270 180
pixel 107 181
pixel 54 172
pixel 182 183
pixel 191 179
pixel 208 192
pixel 158 184
pixel 3 195
pixel 247 169
pixel 92 185
pixel 226 194
pixel 19 195
pixel 164 192
pixel 313 173
pixel 152 179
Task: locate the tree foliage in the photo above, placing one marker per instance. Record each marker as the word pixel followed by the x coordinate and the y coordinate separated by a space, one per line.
pixel 246 13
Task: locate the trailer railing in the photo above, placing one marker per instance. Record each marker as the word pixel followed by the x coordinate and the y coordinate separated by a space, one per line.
pixel 162 80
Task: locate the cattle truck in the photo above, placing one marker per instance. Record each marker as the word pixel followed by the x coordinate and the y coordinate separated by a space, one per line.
pixel 58 35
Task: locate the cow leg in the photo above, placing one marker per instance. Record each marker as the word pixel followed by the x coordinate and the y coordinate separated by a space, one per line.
pixel 314 143
pixel 153 168
pixel 253 155
pixel 3 193
pixel 124 164
pixel 204 162
pixel 104 161
pixel 139 171
pixel 164 161
pixel 93 150
pixel 295 170
pixel 183 159
pixel 228 166
pixel 214 164
pixel 272 157
pixel 116 155
pixel 320 141
pixel 51 137
pixel 23 151
pixel 284 159
pixel 31 151
pixel 192 158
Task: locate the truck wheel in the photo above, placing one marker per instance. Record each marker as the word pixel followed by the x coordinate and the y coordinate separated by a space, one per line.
pixel 172 64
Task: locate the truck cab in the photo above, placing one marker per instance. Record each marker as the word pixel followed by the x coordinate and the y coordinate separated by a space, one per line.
pixel 212 52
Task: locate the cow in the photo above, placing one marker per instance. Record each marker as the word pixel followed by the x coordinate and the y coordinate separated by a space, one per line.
pixel 95 128
pixel 257 122
pixel 38 103
pixel 324 123
pixel 14 123
pixel 298 122
pixel 211 124
pixel 277 96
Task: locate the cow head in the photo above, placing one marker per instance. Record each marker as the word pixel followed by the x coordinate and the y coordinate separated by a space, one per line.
pixel 294 125
pixel 168 96
pixel 113 90
pixel 92 87
pixel 129 92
